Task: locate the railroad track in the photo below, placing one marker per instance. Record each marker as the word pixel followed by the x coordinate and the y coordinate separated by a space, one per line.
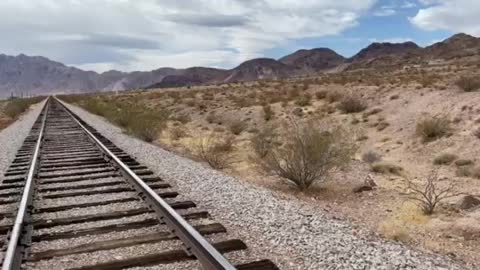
pixel 71 199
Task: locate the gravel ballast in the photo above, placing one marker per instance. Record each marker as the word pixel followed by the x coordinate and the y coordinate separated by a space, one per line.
pixel 12 137
pixel 292 233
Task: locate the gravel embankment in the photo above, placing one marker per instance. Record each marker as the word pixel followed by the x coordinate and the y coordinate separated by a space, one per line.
pixel 12 137
pixel 292 233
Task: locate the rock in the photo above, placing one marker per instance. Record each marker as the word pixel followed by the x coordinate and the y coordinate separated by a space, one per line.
pixel 468 202
pixel 362 188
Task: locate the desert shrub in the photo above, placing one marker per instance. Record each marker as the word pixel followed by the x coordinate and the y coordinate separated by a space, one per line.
pixel 387 168
pixel 468 84
pixel 432 128
pixel 268 113
pixel 321 94
pixel 309 153
pixel 237 126
pixel 333 96
pixel 303 101
pixel 177 133
pixel 148 125
pixel 352 104
pixel 371 157
pixel 430 194
pixel 262 141
pixel 464 162
pixel 97 106
pixel 18 106
pixel 445 159
pixel 215 151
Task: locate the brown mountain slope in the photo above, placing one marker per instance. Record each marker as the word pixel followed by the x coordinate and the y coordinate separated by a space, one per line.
pixel 313 60
pixel 457 46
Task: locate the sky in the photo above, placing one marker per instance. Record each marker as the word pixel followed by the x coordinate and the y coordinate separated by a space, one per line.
pixel 130 35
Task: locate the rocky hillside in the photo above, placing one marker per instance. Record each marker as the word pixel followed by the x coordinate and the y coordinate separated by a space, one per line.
pixel 39 75
pixel 313 60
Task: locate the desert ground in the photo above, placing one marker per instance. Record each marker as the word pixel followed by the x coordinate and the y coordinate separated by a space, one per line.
pixel 405 127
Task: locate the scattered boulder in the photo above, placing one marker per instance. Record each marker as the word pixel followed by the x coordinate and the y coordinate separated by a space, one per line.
pixel 468 202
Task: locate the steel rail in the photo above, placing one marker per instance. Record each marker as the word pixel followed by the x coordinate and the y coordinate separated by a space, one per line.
pixel 11 255
pixel 196 244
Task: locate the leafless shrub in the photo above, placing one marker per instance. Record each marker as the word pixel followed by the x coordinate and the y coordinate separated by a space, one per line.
pixel 309 153
pixel 468 84
pixel 430 194
pixel 352 104
pixel 215 151
pixel 432 128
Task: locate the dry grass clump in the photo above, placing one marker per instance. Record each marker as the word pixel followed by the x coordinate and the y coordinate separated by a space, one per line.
pixel 237 126
pixel 445 159
pixel 432 128
pixel 387 168
pixel 371 157
pixel 352 104
pixel 309 153
pixel 215 151
pixel 468 84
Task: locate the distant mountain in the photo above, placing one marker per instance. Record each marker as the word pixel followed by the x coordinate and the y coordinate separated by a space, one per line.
pixel 313 60
pixel 457 46
pixel 260 68
pixel 39 75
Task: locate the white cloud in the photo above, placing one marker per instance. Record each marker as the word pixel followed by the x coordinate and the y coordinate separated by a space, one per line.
pixel 130 35
pixel 384 12
pixel 408 4
pixel 454 16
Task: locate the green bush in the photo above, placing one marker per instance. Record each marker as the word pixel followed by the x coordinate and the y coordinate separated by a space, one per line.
pixel 309 153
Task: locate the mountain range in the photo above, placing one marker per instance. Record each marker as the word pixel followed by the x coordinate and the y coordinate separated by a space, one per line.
pixel 39 75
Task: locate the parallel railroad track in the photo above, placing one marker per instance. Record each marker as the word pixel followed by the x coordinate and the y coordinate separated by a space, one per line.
pixel 71 199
